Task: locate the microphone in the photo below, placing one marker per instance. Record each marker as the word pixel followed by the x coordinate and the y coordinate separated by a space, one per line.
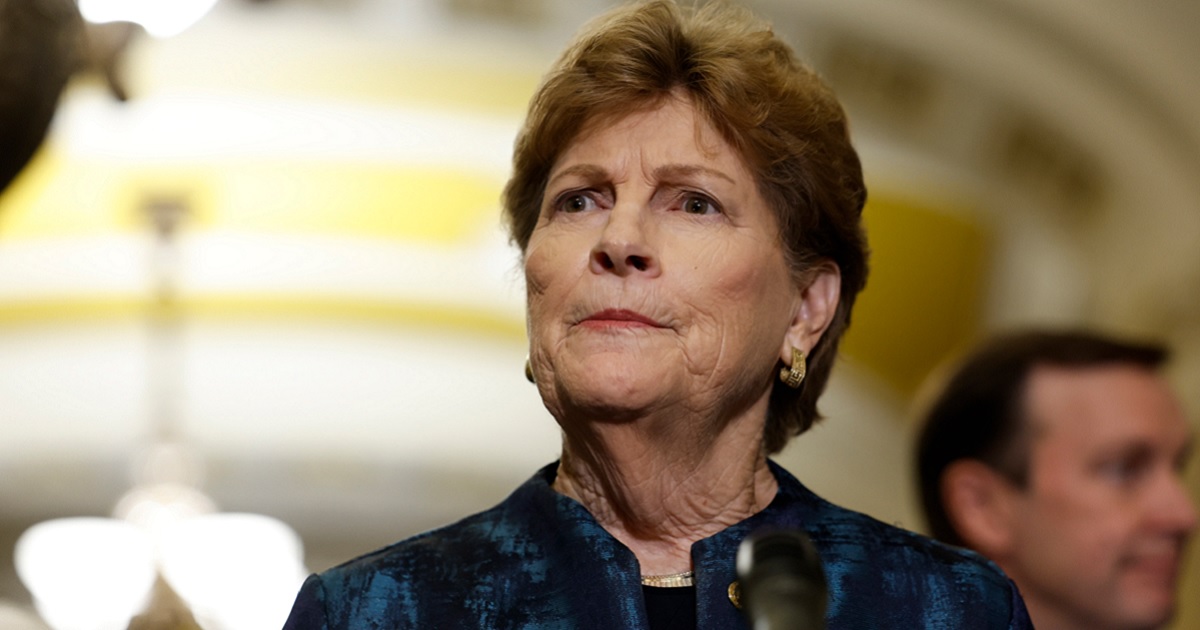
pixel 782 582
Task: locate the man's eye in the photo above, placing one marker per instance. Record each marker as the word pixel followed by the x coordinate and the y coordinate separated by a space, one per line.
pixel 1123 471
pixel 694 204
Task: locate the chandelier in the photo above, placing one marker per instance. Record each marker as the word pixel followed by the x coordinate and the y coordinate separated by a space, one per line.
pixel 167 551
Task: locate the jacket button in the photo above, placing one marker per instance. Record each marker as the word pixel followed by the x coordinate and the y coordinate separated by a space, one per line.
pixel 735 594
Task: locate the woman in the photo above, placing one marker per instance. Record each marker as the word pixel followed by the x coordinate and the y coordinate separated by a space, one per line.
pixel 688 206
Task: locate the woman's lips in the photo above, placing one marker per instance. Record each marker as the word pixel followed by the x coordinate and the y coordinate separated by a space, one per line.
pixel 618 318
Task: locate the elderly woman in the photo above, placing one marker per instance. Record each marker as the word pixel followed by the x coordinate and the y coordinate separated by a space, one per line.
pixel 687 203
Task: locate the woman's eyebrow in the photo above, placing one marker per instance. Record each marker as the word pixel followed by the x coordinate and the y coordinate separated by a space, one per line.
pixel 586 171
pixel 677 171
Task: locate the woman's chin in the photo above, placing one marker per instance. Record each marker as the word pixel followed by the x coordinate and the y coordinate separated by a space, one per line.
pixel 616 394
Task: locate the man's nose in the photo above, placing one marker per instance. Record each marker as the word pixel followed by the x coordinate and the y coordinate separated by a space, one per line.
pixel 1175 507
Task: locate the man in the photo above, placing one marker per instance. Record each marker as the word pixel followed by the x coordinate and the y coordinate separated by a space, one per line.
pixel 1059 456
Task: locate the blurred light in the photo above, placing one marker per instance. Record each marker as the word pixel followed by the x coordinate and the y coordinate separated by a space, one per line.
pixel 160 18
pixel 86 573
pixel 235 571
pixel 167 462
pixel 157 508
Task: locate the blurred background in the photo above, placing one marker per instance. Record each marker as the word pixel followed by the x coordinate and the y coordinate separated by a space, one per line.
pixel 259 258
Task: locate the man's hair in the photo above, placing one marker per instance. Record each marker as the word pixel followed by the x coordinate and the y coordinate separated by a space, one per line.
pixel 783 120
pixel 980 412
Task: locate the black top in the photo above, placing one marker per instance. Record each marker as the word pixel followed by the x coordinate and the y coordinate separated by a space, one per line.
pixel 671 608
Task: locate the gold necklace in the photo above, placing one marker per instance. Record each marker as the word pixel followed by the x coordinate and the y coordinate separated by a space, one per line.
pixel 672 580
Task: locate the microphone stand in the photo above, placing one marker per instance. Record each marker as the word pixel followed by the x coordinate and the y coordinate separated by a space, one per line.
pixel 782 582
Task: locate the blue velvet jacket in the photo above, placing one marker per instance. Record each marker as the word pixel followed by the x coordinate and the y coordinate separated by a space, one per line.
pixel 539 560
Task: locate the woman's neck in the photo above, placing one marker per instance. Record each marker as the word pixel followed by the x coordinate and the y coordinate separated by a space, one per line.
pixel 659 486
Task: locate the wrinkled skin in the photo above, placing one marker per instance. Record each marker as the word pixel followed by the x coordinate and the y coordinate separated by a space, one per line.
pixel 656 280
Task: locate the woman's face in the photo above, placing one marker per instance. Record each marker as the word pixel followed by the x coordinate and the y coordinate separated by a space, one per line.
pixel 656 279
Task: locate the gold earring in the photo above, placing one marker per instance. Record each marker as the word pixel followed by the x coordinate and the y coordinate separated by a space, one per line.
pixel 794 375
pixel 529 371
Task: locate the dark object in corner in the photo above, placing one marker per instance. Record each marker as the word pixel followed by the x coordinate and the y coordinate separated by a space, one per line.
pixel 41 46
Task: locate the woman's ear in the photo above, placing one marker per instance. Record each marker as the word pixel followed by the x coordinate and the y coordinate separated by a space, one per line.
pixel 814 309
pixel 979 503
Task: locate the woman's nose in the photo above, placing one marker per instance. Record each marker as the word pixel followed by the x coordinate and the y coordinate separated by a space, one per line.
pixel 624 247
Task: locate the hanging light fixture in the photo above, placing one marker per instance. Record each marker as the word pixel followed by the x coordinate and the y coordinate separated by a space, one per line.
pixel 234 571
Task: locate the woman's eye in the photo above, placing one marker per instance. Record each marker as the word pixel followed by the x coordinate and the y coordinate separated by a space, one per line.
pixel 693 204
pixel 575 202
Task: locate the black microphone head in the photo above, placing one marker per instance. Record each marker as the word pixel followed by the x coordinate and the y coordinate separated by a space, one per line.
pixel 782 582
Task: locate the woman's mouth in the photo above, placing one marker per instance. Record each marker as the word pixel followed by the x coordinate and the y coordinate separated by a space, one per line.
pixel 618 318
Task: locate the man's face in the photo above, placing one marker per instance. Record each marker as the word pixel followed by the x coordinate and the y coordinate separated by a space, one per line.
pixel 1098 533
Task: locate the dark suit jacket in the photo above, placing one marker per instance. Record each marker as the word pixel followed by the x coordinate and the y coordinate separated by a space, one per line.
pixel 539 560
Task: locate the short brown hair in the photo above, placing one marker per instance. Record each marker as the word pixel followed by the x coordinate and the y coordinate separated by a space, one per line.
pixel 786 124
pixel 980 412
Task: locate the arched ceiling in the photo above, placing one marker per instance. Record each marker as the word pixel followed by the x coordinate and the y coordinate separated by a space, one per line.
pixel 344 274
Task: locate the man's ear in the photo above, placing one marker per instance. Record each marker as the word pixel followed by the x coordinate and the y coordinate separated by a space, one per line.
pixel 980 505
pixel 815 306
